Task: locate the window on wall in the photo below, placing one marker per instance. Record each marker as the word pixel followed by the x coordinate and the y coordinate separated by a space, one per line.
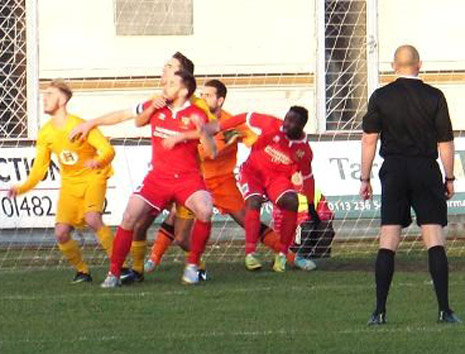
pixel 153 17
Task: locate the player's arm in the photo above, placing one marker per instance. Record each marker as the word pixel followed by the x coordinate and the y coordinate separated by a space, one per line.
pixel 372 125
pixel 369 142
pixel 106 152
pixel 82 131
pixel 446 153
pixel 308 182
pixel 256 122
pixel 38 171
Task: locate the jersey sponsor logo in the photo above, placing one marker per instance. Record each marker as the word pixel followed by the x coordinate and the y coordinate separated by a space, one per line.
pixel 277 156
pixel 164 133
pixel 68 157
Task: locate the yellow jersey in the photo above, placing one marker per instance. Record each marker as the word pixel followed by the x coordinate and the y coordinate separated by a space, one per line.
pixel 72 155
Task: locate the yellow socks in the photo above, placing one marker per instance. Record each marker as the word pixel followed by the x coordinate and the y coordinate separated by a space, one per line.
pixel 72 252
pixel 138 255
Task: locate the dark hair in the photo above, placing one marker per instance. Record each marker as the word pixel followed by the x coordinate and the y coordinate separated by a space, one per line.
pixel 221 89
pixel 301 112
pixel 186 63
pixel 188 80
pixel 62 87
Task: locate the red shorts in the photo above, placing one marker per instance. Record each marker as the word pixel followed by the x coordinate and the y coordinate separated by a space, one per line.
pixel 158 190
pixel 270 185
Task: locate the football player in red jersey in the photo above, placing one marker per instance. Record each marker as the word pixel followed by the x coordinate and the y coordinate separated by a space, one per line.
pixel 175 175
pixel 280 155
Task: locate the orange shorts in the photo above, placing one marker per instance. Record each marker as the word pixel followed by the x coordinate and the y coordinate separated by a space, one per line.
pixel 225 193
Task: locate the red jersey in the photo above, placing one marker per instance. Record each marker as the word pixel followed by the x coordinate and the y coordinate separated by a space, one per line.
pixel 274 152
pixel 167 122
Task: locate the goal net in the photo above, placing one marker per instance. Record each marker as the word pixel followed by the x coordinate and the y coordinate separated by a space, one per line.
pixel 327 56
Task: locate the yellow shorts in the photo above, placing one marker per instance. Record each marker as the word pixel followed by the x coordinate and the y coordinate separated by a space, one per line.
pixel 184 213
pixel 77 199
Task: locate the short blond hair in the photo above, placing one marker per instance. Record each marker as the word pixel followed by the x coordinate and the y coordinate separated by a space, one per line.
pixel 63 87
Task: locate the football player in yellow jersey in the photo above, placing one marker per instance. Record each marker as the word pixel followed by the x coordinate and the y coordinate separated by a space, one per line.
pixel 84 169
pixel 183 216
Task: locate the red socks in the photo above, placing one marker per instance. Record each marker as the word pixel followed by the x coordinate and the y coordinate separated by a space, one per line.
pixel 288 226
pixel 121 246
pixel 252 230
pixel 200 235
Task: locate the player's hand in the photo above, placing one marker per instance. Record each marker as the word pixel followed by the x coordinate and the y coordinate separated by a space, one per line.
pixel 159 102
pixel 92 164
pixel 171 142
pixel 449 188
pixel 366 192
pixel 80 132
pixel 12 192
pixel 231 136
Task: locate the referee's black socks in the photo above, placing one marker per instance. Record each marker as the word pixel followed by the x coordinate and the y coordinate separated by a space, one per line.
pixel 439 270
pixel 384 270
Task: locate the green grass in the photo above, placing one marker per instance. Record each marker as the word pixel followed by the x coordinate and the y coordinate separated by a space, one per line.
pixel 235 312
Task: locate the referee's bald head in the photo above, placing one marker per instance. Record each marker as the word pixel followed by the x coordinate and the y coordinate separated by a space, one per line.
pixel 406 59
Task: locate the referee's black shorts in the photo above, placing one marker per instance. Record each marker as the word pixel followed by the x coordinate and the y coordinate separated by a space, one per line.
pixel 412 182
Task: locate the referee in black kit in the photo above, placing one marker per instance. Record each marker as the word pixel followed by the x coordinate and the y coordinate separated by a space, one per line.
pixel 413 121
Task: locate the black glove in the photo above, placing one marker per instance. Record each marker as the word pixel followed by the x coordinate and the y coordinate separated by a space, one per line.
pixel 231 135
pixel 313 214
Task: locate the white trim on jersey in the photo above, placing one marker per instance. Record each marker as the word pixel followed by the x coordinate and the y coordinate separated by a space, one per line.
pixel 307 176
pixel 137 109
pixel 255 130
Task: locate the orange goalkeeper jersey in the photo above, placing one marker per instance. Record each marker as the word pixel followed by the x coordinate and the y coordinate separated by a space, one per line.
pixel 71 155
pixel 226 160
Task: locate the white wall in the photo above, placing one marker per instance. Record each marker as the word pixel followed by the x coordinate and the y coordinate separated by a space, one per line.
pixel 77 39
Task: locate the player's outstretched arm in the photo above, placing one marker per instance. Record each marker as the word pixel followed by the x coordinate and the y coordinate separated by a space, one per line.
pixel 39 168
pixel 82 131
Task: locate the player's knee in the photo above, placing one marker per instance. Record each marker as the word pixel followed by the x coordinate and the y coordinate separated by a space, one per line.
pixel 62 235
pixel 289 201
pixel 129 220
pixel 204 213
pixel 94 221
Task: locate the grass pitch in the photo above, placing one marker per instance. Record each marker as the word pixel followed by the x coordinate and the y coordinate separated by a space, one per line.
pixel 324 311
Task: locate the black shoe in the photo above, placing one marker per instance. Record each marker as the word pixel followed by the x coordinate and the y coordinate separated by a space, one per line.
pixel 377 319
pixel 126 276
pixel 129 276
pixel 202 275
pixel 81 277
pixel 448 317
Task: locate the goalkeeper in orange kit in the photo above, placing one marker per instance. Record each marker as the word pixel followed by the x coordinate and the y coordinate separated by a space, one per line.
pixel 84 168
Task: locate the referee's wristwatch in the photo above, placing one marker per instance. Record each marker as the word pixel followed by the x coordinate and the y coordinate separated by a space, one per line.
pixel 449 179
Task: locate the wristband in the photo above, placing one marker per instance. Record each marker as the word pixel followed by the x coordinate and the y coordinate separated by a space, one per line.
pixel 449 179
pixel 364 179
